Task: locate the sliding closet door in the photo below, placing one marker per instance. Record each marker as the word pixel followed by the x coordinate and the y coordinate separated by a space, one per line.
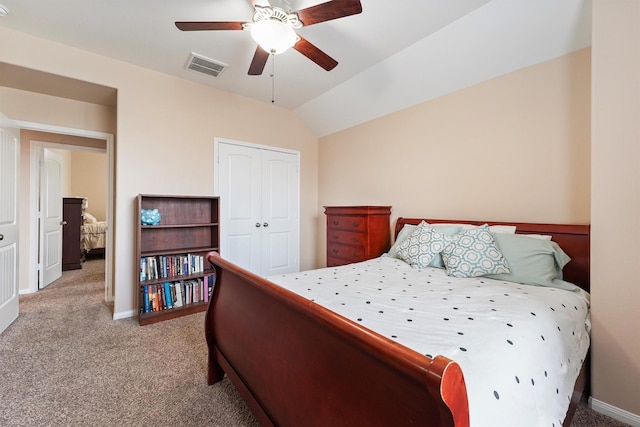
pixel 259 198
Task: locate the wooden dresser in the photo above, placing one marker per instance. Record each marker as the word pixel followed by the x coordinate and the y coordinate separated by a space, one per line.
pixel 72 216
pixel 356 233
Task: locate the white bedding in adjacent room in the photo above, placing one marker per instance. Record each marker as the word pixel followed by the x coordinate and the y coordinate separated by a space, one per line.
pixel 94 235
pixel 520 347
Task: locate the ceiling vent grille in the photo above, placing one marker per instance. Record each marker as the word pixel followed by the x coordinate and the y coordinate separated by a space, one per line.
pixel 205 65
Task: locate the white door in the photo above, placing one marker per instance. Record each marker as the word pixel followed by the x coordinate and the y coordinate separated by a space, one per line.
pixel 51 218
pixel 279 213
pixel 240 205
pixel 259 199
pixel 8 227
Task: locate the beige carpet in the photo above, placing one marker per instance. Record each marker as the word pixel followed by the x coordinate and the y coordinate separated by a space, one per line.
pixel 64 362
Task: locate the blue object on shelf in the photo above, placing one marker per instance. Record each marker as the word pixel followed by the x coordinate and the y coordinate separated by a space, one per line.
pixel 150 216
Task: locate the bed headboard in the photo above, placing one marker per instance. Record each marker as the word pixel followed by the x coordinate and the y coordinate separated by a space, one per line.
pixel 573 239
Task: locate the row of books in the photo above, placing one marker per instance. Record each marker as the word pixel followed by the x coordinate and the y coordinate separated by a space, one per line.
pixel 168 295
pixel 163 267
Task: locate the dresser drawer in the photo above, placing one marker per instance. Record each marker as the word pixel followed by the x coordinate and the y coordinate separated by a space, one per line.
pixel 350 223
pixel 346 252
pixel 346 237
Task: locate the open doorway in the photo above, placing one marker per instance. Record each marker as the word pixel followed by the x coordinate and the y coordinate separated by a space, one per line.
pixel 70 205
pixel 87 174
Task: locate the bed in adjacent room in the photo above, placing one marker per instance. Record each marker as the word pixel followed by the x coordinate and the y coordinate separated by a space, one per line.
pixel 94 234
pixel 459 324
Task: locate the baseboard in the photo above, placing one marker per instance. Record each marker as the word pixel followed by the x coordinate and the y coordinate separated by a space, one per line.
pixel 615 413
pixel 125 314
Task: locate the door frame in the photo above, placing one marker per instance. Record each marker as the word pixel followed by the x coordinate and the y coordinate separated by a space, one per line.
pixel 33 220
pixel 216 174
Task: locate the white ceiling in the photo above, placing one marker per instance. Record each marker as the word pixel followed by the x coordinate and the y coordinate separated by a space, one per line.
pixel 393 55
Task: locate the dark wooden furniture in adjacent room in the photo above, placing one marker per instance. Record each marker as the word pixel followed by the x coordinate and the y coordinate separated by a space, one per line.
pixel 71 233
pixel 173 252
pixel 356 233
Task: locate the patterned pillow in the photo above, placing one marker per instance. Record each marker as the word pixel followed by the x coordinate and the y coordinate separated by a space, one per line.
pixel 472 253
pixel 422 246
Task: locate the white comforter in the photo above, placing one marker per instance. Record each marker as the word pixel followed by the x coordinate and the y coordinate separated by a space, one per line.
pixel 94 235
pixel 520 347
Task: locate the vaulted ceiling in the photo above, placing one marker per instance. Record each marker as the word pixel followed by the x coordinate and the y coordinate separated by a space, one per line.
pixel 393 55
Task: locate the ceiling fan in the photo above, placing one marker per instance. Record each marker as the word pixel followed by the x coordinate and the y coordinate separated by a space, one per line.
pixel 274 28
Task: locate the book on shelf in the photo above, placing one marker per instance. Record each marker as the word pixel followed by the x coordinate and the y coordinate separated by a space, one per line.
pixel 168 295
pixel 167 266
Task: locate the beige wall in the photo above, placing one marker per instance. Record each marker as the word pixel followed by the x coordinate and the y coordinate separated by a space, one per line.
pixel 56 111
pixel 515 148
pixel 165 131
pixel 615 208
pixel 65 172
pixel 89 179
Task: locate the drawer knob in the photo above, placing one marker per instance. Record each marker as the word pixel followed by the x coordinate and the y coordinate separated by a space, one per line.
pixel 336 237
pixel 356 224
pixel 336 222
pixel 335 251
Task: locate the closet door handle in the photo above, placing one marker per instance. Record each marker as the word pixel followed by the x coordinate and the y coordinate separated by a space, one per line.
pixel 1 236
pixel 257 225
pixel 63 222
pixel 266 224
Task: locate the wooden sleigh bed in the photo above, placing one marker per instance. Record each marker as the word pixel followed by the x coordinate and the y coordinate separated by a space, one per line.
pixel 296 363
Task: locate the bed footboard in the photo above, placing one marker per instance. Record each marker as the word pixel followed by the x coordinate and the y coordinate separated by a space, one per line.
pixel 296 363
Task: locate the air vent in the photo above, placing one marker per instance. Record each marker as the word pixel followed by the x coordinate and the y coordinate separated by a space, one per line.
pixel 205 65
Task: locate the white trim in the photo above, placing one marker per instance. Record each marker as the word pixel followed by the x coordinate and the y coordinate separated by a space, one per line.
pixel 110 151
pixel 35 269
pixel 124 314
pixel 614 412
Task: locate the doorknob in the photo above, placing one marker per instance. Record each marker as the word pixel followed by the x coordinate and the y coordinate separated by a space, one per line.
pixel 266 224
pixel 63 222
pixel 1 236
pixel 257 225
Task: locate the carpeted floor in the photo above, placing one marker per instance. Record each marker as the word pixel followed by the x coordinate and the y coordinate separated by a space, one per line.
pixel 65 362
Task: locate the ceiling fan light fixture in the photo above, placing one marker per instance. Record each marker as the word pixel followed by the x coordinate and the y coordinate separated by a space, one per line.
pixel 273 35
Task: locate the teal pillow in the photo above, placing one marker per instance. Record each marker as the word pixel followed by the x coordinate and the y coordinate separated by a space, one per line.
pixel 473 253
pixel 407 229
pixel 422 246
pixel 532 261
pixel 402 236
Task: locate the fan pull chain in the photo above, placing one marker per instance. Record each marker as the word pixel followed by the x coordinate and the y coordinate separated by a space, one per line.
pixel 273 77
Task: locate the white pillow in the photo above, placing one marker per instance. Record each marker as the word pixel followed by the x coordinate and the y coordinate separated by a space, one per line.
pixel 538 236
pixel 89 219
pixel 505 229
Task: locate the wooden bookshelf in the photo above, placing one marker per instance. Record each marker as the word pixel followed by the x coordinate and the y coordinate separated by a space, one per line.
pixel 174 252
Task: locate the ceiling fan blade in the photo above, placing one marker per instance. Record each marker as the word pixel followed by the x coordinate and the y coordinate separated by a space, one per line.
pixel 328 11
pixel 206 26
pixel 258 62
pixel 316 55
